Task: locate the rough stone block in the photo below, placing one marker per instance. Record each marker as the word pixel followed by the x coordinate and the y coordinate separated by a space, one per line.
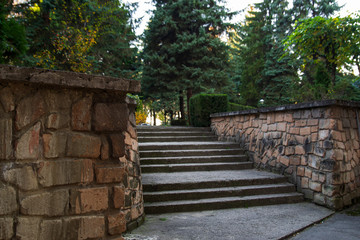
pixel 29 110
pixel 89 227
pixel 288 117
pixel 89 200
pixel 119 196
pixel 5 138
pixel 272 127
pixel 300 171
pixel 54 144
pixel 7 99
pixel 28 146
pixel 117 224
pixel 118 145
pixel 299 150
pixel 24 177
pixel 47 204
pixel 128 138
pixel 284 160
pixel 317 187
pixel 294 130
pixel 28 228
pixel 61 99
pixel 295 160
pixel 136 212
pixel 323 134
pixel 81 114
pixel 83 146
pixel 281 126
pixel 305 131
pixel 58 120
pixel 105 149
pixel 336 135
pixel 54 173
pixel 134 145
pixel 109 174
pixel 304 182
pixel 8 202
pixel 314 161
pixel 51 229
pixel 111 117
pixel 6 228
pixel 300 123
pixel 131 130
pixel 312 122
pixel 338 154
pixel 319 199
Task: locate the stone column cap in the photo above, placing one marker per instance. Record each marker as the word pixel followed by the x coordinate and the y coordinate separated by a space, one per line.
pixel 67 79
pixel 305 105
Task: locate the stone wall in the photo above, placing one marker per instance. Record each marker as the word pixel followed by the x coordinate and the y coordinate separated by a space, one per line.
pixel 315 144
pixel 69 161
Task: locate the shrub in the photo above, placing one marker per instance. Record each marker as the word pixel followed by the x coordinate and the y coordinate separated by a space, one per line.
pixel 233 107
pixel 202 105
pixel 179 122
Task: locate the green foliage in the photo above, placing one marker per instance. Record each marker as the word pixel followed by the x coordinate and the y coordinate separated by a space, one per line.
pixel 182 50
pixel 232 107
pixel 13 42
pixel 91 36
pixel 202 105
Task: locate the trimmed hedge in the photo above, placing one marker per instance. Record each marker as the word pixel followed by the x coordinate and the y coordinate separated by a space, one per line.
pixel 202 105
pixel 233 107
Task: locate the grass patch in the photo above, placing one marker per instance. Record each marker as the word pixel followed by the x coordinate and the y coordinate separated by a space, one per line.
pixel 354 212
pixel 162 219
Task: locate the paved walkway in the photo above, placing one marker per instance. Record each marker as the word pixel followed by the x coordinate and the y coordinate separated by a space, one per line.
pixel 255 223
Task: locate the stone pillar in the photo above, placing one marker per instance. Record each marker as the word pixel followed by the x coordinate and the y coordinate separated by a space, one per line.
pixel 69 156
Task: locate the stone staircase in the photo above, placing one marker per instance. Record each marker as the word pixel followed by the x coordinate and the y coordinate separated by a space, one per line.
pixel 187 169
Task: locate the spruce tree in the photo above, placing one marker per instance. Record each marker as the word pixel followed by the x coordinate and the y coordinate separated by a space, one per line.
pixel 183 51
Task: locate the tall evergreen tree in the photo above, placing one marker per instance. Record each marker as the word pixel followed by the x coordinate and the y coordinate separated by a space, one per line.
pixel 183 51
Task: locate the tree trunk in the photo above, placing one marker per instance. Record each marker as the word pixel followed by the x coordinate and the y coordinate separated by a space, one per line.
pixel 154 115
pixel 188 96
pixel 165 112
pixel 181 103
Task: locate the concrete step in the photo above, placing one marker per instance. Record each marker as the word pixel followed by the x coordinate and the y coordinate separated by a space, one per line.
pixel 187 145
pixel 200 152
pixel 195 167
pixel 142 129
pixel 178 139
pixel 207 179
pixel 176 195
pixel 197 159
pixel 221 203
pixel 175 133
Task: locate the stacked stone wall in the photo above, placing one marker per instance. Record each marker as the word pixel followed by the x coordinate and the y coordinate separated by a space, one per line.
pixel 315 144
pixel 69 160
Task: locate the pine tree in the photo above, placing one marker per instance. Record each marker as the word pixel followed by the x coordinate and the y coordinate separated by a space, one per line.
pixel 183 51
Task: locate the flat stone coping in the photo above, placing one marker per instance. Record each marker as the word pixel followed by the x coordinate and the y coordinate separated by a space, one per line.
pixel 67 79
pixel 254 223
pixel 299 106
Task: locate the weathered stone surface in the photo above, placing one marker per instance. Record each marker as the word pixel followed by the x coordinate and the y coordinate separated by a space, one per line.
pixel 284 160
pixel 28 146
pixel 54 173
pixel 119 196
pixel 111 117
pixel 5 138
pixel 51 229
pixel 109 174
pixel 105 149
pixel 117 224
pixel 8 202
pixel 89 200
pixel 319 199
pixel 83 146
pixel 47 204
pixel 131 130
pixel 24 177
pixel 81 114
pixel 6 228
pixel 58 120
pixel 315 186
pixel 118 145
pixel 7 99
pixel 29 110
pixel 28 228
pixel 91 227
pixel 136 212
pixel 54 144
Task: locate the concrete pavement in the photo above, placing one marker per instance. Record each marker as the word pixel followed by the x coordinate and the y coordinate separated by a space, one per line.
pixel 254 223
